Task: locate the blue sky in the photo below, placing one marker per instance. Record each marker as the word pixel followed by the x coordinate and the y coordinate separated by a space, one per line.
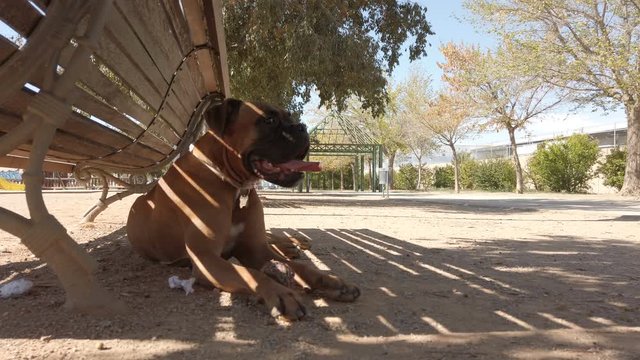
pixel 447 19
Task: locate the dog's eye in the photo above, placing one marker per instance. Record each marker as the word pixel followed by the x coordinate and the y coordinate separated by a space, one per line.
pixel 269 120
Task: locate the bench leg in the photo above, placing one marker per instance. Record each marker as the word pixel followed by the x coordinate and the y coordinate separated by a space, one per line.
pixel 48 239
pixel 102 204
pixel 48 110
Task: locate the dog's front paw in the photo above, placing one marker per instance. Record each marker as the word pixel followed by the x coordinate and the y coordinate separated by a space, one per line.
pixel 344 293
pixel 282 301
pixel 347 293
pixel 336 289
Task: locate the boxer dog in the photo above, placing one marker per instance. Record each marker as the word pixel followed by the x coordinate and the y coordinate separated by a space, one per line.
pixel 205 209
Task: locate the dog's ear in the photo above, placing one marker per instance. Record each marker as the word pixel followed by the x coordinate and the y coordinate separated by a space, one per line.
pixel 219 116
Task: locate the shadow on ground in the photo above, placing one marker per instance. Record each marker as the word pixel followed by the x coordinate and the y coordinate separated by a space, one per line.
pixel 505 298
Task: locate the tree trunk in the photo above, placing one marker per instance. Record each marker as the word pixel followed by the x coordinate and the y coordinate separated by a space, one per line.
pixel 419 186
pixel 456 168
pixel 390 161
pixel 516 161
pixel 332 181
pixel 341 179
pixel 631 185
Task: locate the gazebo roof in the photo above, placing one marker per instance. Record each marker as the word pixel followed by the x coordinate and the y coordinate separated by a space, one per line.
pixel 336 134
pixel 336 129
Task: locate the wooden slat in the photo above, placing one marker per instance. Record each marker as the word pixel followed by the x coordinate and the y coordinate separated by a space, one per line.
pixel 97 108
pixel 196 79
pixel 123 53
pixel 83 128
pixel 75 124
pixel 216 31
pixel 178 24
pixel 150 25
pixel 149 22
pixel 88 103
pixel 194 14
pixel 17 103
pixel 186 79
pixel 73 145
pixel 8 120
pixel 100 84
pixel 7 48
pixel 180 28
pixel 42 4
pixel 16 162
pixel 25 150
pixel 159 129
pixel 94 79
pixel 84 136
pixel 21 16
pixel 155 143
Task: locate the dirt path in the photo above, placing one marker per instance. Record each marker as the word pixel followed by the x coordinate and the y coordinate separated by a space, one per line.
pixel 477 276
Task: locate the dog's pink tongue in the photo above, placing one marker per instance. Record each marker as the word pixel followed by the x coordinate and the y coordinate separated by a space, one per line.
pixel 299 165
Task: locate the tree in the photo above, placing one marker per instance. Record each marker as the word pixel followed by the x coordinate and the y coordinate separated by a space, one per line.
pixel 504 92
pixel 565 164
pixel 280 51
pixel 449 118
pixel 333 164
pixel 387 129
pixel 413 94
pixel 590 47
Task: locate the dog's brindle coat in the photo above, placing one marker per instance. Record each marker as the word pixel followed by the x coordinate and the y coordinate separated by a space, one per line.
pixel 194 211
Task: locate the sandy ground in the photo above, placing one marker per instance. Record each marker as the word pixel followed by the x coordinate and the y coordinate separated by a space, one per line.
pixel 443 276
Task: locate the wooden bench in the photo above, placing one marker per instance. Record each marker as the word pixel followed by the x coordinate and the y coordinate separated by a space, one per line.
pixel 98 87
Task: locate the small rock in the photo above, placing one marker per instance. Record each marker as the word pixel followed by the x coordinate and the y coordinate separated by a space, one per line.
pixel 45 338
pixel 102 347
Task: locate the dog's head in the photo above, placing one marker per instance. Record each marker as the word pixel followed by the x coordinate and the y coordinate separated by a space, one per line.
pixel 272 145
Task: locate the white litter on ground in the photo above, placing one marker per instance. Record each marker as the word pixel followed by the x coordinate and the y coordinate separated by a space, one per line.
pixel 187 285
pixel 15 288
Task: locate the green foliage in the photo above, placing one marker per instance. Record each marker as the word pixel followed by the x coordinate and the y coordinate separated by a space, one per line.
pixel 323 180
pixel 280 51
pixel 468 167
pixel 489 175
pixel 565 164
pixel 613 168
pixel 495 175
pixel 407 177
pixel 443 177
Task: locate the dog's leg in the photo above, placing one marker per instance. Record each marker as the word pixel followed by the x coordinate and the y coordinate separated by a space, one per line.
pixel 252 250
pixel 210 268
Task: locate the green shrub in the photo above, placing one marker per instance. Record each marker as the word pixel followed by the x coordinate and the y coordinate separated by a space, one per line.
pixel 468 168
pixel 613 168
pixel 494 175
pixel 407 177
pixel 565 164
pixel 443 177
pixel 489 175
